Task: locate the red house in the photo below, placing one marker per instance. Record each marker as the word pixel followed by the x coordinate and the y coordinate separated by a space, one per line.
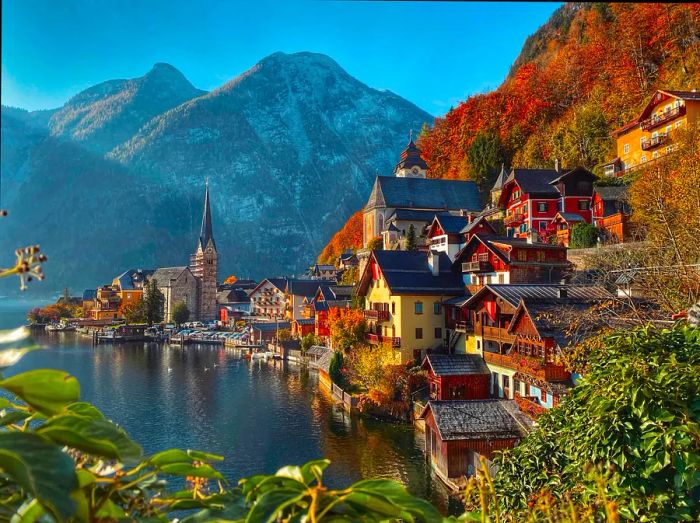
pixel 448 233
pixel 457 433
pixel 611 213
pixel 457 376
pixel 501 260
pixel 532 197
pixel 561 226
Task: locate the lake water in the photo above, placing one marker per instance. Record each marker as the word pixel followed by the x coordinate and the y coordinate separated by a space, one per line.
pixel 258 415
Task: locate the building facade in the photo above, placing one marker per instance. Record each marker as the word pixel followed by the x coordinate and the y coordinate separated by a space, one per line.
pixel 204 265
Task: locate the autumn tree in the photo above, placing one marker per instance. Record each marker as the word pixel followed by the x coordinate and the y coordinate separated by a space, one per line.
pixel 347 328
pixel 349 237
pixel 231 279
pixel 368 364
pixel 375 244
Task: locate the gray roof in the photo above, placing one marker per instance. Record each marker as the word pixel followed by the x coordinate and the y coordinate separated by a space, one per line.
pixel 571 216
pixel 424 193
pixel 478 419
pixel 133 278
pixel 613 192
pixel 165 275
pixel 89 294
pixel 456 364
pixel 412 215
pixel 535 181
pixel 324 360
pixel 513 293
pixel 271 326
pixel 453 224
pixel 685 95
pixel 407 272
pixel 500 179
pixel 317 350
pixel 410 157
pixel 305 288
pixel 206 233
pixel 457 300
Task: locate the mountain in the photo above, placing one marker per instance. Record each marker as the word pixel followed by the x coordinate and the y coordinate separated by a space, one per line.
pixel 109 113
pixel 290 148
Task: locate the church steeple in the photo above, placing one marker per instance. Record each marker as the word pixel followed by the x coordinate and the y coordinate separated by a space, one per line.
pixel 206 233
pixel 411 164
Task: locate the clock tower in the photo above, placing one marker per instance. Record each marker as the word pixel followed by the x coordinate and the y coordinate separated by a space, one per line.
pixel 204 264
pixel 411 164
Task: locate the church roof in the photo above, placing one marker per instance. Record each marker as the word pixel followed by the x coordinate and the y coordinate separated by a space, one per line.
pixel 165 275
pixel 410 157
pixel 206 233
pixel 424 193
pixel 500 180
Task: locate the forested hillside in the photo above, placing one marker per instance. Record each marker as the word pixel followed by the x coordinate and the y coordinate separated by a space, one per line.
pixel 587 71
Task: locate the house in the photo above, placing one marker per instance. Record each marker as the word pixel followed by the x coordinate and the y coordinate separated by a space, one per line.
pixel 457 376
pixel 398 225
pixel 264 333
pixel 107 303
pixel 561 226
pixel 129 286
pixel 650 135
pixel 303 326
pixel 323 272
pixel 176 284
pixel 458 433
pixel 611 213
pixel 347 260
pixel 447 232
pixel 532 197
pixel 234 303
pixel 409 190
pixel 89 296
pixel 403 293
pixel 296 293
pixel 498 259
pixel 493 308
pixel 267 299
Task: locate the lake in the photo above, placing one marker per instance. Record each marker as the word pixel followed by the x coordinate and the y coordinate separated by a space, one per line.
pixel 259 415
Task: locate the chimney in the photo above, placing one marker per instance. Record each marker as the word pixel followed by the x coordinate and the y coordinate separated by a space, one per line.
pixel 556 164
pixel 434 262
pixel 562 292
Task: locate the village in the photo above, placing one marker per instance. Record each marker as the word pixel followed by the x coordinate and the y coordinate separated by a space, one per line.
pixel 458 312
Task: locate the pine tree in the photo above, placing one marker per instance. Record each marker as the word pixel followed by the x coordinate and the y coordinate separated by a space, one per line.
pixel 411 242
pixel 153 302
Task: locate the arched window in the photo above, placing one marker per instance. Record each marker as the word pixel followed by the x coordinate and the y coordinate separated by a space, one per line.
pixel 380 222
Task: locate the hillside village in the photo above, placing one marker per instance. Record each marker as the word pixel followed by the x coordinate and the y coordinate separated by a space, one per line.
pixel 476 306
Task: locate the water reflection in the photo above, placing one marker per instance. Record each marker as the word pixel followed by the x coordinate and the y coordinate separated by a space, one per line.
pixel 259 415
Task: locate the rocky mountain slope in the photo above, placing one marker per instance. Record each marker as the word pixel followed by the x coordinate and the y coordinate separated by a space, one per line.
pixel 289 147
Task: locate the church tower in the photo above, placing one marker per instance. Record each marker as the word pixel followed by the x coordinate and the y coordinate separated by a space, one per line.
pixel 411 164
pixel 204 265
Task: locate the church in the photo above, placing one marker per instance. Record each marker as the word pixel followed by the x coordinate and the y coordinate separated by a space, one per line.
pixel 194 284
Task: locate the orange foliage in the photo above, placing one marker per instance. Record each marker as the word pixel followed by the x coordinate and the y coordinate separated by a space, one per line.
pixel 349 237
pixel 611 55
pixel 231 279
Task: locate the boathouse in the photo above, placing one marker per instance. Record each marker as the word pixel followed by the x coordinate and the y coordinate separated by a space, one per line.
pixel 457 376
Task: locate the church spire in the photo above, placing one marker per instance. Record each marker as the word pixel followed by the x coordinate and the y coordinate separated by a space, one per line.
pixel 206 234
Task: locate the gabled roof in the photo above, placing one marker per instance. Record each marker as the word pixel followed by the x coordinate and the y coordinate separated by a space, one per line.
pixel 412 215
pixel 578 170
pixel 89 294
pixel 410 157
pixel 317 350
pixel 499 246
pixel 306 288
pixel 478 419
pixel 324 361
pixel 546 292
pixel 347 256
pixel 278 283
pixel 424 193
pixel 407 272
pixel 270 326
pixel 451 223
pixel 534 181
pixel 569 217
pixel 612 193
pixel 455 364
pixel 165 275
pixel 481 220
pixel 500 179
pixel 683 95
pixel 133 278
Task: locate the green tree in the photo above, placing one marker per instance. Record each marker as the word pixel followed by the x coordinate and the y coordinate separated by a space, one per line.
pixel 635 417
pixel 349 276
pixel 485 156
pixel 375 244
pixel 135 312
pixel 180 313
pixel 153 302
pixel 584 139
pixel 335 369
pixel 309 341
pixel 583 236
pixel 411 241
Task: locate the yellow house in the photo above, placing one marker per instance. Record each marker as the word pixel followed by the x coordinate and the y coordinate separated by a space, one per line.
pixel 129 286
pixel 650 135
pixel 403 294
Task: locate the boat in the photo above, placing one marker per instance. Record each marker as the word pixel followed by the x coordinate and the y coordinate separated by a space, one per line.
pixel 60 327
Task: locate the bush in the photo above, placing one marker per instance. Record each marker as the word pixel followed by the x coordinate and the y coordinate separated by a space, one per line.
pixel 335 369
pixel 583 236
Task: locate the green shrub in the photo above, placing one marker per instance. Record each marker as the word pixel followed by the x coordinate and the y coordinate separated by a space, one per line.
pixel 583 236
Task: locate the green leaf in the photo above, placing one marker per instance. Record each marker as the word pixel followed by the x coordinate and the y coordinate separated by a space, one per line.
pixel 99 437
pixel 272 504
pixel 170 456
pixel 46 390
pixel 41 468
pixel 13 416
pixel 85 409
pixel 186 469
pixel 30 511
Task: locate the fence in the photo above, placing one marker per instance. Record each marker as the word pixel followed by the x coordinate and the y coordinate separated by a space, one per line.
pixel 349 401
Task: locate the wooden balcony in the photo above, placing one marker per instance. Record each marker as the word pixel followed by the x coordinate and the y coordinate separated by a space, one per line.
pixel 514 219
pixel 528 366
pixel 372 314
pixel 654 142
pixel 376 339
pixel 463 326
pixel 656 121
pixel 496 334
pixel 477 266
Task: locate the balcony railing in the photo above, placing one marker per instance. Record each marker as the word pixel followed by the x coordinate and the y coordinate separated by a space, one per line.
pixel 656 120
pixel 655 141
pixel 514 219
pixel 476 266
pixel 463 326
pixel 497 333
pixel 377 338
pixel 529 366
pixel 372 314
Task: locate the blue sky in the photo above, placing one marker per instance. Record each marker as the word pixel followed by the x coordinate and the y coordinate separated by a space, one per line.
pixel 434 54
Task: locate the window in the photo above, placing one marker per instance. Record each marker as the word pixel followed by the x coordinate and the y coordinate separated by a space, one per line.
pixel 669 128
pixel 540 256
pixel 418 307
pixel 522 256
pixel 506 386
pixel 436 308
pixel 669 149
pixel 642 140
pixel 494 383
pixel 542 207
pixel 678 123
pixel 655 155
pixel 516 194
pixel 584 205
pixel 419 333
pixel 626 148
pixel 501 278
pixel 643 159
pixel 393 307
pixel 543 225
pixel 438 333
pixel 543 395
